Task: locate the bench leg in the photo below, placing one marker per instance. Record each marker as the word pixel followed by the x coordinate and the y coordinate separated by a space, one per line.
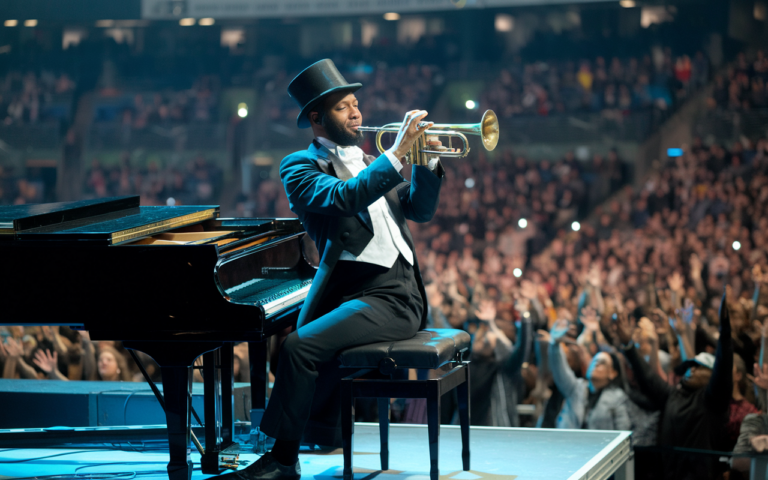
pixel 433 426
pixel 384 432
pixel 462 392
pixel 347 426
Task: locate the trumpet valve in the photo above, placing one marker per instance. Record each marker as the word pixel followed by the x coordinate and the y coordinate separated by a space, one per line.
pixel 434 143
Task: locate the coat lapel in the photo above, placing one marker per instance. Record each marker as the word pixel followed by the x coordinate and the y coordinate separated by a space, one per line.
pixel 341 172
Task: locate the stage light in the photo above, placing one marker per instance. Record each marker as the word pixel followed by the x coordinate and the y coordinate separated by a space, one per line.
pixel 522 223
pixel 206 22
pixel 627 3
pixel 470 104
pixel 504 22
pixel 469 183
pixel 105 23
pixel 391 16
pixel 11 23
pixel 187 22
pixel 674 152
pixel 737 245
pixel 517 273
pixel 30 23
pixel 575 226
pixel 242 110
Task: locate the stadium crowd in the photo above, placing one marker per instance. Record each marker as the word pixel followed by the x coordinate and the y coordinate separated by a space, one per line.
pixel 198 182
pixel 743 87
pixel 651 269
pixel 599 85
pixel 166 107
pixel 24 96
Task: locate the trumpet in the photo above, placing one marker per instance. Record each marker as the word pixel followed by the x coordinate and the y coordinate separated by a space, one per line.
pixel 487 129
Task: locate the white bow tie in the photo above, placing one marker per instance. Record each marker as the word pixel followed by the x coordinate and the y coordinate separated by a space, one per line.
pixel 349 153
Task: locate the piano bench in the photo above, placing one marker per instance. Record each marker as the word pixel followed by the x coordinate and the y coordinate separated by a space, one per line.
pixel 431 349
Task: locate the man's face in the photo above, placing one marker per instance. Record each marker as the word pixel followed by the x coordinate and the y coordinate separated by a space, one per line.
pixel 601 372
pixel 697 377
pixel 342 119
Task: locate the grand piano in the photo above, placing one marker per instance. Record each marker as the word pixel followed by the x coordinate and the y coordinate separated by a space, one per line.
pixel 175 282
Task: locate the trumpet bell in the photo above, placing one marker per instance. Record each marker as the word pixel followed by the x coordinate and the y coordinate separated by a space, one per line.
pixel 489 130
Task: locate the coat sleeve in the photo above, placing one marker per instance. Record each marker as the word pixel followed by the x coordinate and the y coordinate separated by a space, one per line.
pixel 565 379
pixel 752 425
pixel 651 385
pixel 309 189
pixel 720 386
pixel 621 419
pixel 420 197
pixel 522 347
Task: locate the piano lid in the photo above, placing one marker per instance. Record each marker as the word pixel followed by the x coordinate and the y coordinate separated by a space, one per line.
pixel 124 226
pixel 18 218
pixel 107 221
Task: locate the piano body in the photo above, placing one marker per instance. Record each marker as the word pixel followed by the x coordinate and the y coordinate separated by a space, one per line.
pixel 174 282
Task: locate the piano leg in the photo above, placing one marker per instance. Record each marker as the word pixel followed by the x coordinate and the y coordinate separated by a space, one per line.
pixel 258 354
pixel 177 416
pixel 219 406
pixel 227 393
pixel 175 362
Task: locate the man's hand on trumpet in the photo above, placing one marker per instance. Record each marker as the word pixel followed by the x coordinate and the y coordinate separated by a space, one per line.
pixel 410 130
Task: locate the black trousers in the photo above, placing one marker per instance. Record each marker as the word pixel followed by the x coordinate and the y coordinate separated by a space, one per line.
pixel 363 303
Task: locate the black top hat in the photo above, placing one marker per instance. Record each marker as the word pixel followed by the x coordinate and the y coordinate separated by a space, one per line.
pixel 315 82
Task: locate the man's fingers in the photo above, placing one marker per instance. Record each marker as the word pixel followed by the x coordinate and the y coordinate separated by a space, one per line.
pixel 409 116
pixel 416 118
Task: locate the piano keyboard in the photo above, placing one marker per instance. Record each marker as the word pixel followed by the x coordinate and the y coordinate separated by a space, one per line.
pixel 272 294
pixel 286 298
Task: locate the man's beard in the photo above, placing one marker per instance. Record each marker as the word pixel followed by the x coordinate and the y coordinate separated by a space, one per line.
pixel 339 135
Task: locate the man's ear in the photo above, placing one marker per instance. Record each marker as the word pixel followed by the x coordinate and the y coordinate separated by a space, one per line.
pixel 314 117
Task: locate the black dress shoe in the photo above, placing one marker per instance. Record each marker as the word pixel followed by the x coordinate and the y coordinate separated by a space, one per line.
pixel 265 468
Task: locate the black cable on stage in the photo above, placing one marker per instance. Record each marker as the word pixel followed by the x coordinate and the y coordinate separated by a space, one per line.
pixel 98 476
pixel 44 457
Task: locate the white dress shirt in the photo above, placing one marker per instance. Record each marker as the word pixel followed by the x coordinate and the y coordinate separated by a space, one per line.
pixel 387 241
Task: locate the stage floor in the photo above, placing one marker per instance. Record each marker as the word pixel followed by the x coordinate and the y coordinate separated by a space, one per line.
pixel 497 453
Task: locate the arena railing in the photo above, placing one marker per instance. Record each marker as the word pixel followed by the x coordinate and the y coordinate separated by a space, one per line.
pixel 193 136
pixel 44 136
pixel 729 126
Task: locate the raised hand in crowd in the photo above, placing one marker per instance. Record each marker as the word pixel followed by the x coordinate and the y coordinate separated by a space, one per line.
pixel 623 329
pixel 682 329
pixel 759 443
pixel 487 336
pixel 486 311
pixel 14 348
pixel 48 363
pixel 760 379
pixel 559 331
pixel 591 337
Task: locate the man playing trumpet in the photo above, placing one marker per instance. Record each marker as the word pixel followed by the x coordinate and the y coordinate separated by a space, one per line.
pixel 368 287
